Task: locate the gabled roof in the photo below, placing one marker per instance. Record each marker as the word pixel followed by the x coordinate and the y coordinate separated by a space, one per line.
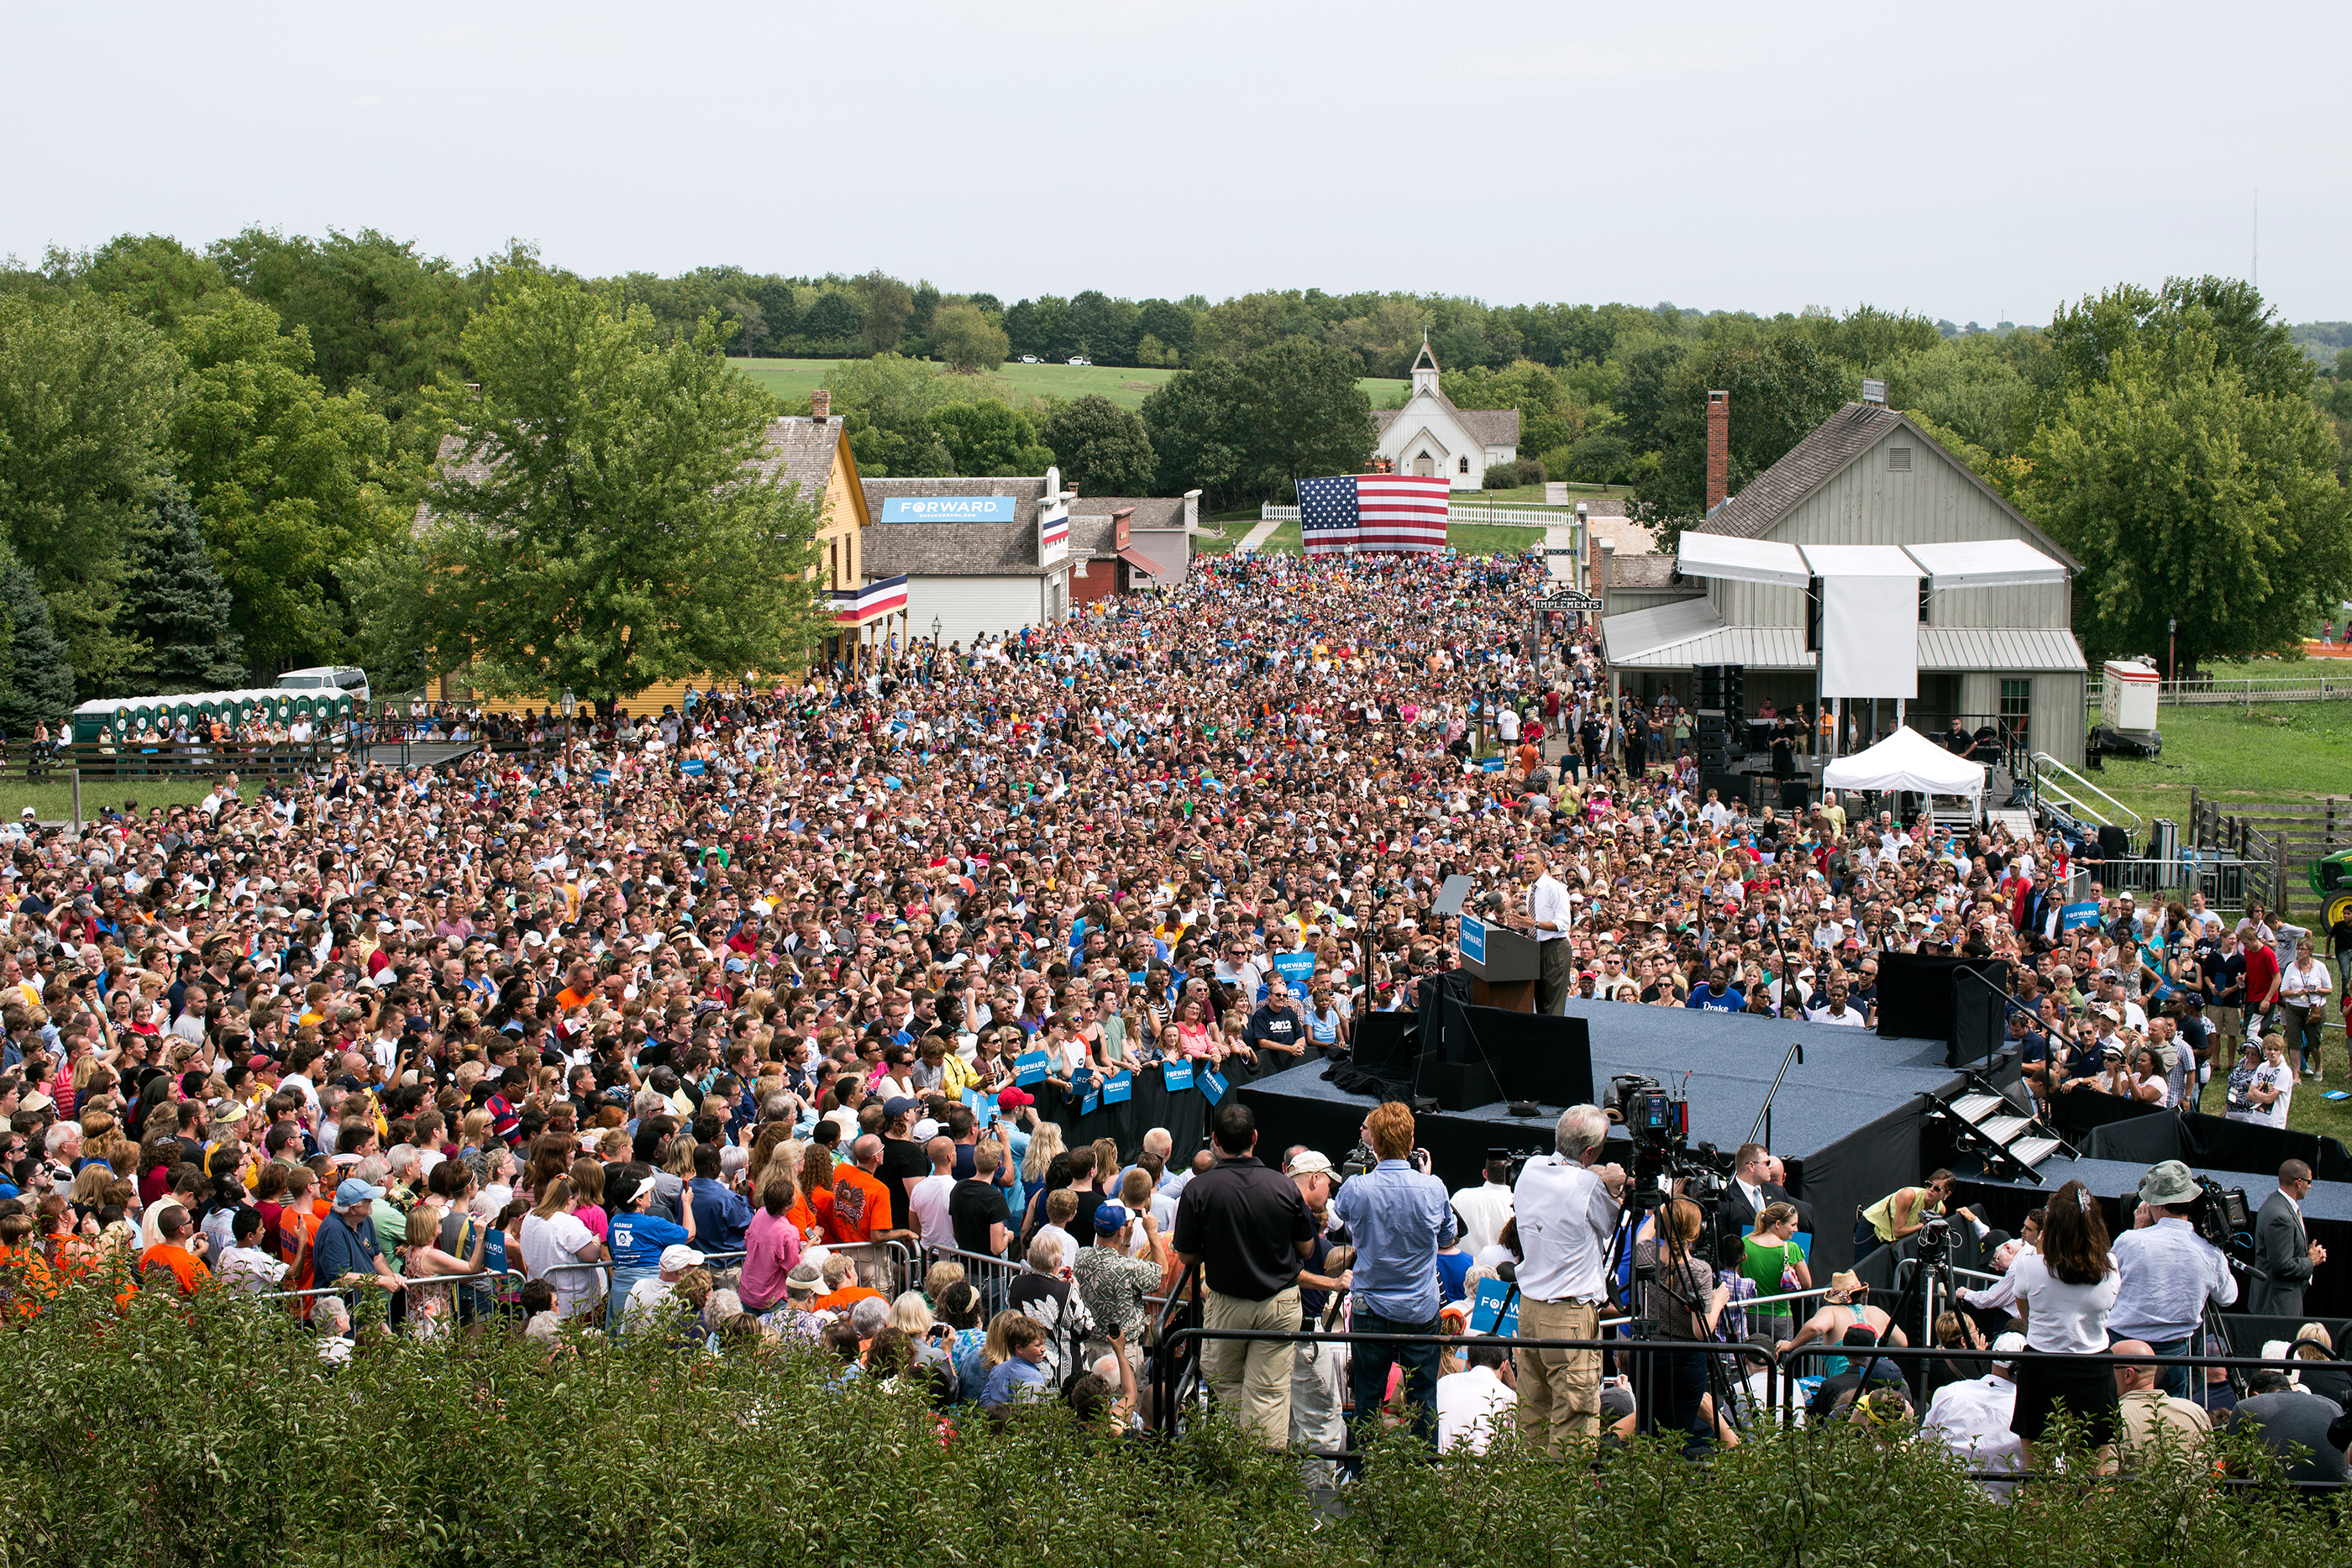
pixel 805 450
pixel 1486 426
pixel 955 549
pixel 1835 445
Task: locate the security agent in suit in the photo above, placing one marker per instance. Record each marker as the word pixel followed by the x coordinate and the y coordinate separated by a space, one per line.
pixel 2285 1254
pixel 1752 1186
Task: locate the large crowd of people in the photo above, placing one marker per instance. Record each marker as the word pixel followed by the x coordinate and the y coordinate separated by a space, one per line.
pixel 741 1007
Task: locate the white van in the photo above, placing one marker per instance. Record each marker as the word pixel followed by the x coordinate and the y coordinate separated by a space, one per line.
pixel 327 678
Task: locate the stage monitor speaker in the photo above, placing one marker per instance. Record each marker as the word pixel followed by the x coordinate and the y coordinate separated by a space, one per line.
pixel 1796 794
pixel 1916 996
pixel 1541 1057
pixel 1980 1016
pixel 1385 1045
pixel 1457 1085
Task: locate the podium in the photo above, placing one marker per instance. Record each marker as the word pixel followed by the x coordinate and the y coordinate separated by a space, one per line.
pixel 1502 966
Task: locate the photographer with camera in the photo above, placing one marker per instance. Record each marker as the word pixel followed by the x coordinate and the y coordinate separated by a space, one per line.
pixel 1398 1215
pixel 1567 1208
pixel 2169 1272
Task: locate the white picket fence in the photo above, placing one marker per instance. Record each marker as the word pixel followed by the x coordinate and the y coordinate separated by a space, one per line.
pixel 2208 691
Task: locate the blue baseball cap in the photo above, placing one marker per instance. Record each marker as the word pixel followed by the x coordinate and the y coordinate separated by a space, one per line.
pixel 354 1190
pixel 1108 1218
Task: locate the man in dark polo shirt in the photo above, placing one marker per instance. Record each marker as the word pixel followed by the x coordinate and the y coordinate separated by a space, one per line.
pixel 1277 1028
pixel 1244 1222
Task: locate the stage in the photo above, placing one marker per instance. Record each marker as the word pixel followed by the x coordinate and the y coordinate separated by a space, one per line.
pixel 1848 1119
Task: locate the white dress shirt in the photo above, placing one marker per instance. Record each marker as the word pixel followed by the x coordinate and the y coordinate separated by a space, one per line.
pixel 1971 1418
pixel 1485 1210
pixel 1548 906
pixel 1566 1221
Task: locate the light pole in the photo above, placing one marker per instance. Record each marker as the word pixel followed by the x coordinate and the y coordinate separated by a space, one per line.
pixel 571 706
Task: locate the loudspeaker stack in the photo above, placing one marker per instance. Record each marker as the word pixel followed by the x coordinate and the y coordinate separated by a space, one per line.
pixel 1719 700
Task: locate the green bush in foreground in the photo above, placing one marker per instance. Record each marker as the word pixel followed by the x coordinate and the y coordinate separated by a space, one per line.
pixel 209 1433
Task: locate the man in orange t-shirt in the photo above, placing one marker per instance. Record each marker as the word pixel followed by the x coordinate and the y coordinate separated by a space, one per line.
pixel 171 1255
pixel 861 1204
pixel 23 1272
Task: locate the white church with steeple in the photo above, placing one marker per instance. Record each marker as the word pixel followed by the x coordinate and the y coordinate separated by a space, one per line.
pixel 1430 435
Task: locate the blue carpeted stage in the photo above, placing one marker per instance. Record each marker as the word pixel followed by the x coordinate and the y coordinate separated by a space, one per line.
pixel 1848 1119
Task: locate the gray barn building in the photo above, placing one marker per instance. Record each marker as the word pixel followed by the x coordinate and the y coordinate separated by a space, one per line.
pixel 1868 476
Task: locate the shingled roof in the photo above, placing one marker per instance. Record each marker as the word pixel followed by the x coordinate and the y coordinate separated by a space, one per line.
pixel 1488 427
pixel 1834 447
pixel 804 449
pixel 1803 469
pixel 955 549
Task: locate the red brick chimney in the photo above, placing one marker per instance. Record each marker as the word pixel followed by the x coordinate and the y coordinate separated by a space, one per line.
pixel 821 405
pixel 1718 448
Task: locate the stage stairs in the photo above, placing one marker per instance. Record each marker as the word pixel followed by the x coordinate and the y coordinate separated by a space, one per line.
pixel 1984 1121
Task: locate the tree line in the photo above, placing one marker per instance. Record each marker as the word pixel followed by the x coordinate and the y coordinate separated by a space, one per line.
pixel 211 460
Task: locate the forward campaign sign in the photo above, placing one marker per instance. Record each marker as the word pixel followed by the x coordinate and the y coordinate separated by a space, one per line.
pixel 949 509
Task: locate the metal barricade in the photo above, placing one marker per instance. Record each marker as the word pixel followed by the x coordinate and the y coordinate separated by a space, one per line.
pixel 991 1277
pixel 889 1267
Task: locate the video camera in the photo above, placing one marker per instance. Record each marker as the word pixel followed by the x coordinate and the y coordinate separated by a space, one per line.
pixel 1660 1125
pixel 2223 1218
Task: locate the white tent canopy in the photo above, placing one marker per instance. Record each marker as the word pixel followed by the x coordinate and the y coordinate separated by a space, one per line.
pixel 1907 761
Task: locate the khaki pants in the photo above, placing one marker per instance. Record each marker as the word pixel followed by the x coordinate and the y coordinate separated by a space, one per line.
pixel 1253 1376
pixel 1559 1390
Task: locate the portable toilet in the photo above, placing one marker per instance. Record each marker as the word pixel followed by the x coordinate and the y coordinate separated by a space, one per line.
pixel 90 721
pixel 2127 696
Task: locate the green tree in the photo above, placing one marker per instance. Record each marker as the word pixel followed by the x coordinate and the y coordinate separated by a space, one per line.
pixel 889 306
pixel 39 689
pixel 1781 388
pixel 1548 418
pixel 179 608
pixel 1103 449
pixel 833 321
pixel 382 319
pixel 965 339
pixel 1249 429
pixel 988 438
pixel 2188 495
pixel 886 404
pixel 1971 385
pixel 87 393
pixel 2088 339
pixel 153 276
pixel 604 526
pixel 286 477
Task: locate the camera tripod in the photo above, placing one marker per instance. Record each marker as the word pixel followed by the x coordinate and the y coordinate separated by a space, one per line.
pixel 1650 1281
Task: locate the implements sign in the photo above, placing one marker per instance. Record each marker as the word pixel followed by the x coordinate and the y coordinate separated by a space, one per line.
pixel 949 509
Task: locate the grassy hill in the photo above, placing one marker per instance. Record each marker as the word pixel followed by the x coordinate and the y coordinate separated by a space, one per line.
pixel 1128 385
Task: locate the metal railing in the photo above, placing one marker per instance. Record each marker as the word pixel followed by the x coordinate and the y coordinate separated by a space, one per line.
pixel 2048 777
pixel 2225 881
pixel 2204 690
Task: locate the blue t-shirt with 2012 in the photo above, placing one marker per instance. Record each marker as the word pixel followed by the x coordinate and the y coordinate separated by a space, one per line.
pixel 637 1240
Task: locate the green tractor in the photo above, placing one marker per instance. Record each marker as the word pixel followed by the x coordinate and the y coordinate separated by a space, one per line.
pixel 2331 878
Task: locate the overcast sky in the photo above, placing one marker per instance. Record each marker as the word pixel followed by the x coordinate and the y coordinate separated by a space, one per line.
pixel 1972 163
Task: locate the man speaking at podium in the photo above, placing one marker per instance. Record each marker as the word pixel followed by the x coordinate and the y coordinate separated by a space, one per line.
pixel 1548 914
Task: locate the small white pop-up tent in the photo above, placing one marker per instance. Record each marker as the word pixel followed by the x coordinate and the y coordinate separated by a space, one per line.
pixel 1907 761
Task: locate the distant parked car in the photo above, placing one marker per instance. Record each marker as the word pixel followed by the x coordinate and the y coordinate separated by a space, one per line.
pixel 327 678
pixel 1028 359
pixel 1080 360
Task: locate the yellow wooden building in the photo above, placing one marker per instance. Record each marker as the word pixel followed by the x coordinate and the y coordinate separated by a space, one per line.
pixel 810 451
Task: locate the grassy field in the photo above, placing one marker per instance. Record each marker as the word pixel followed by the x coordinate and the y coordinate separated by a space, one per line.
pixel 2278 753
pixel 793 380
pixel 52 800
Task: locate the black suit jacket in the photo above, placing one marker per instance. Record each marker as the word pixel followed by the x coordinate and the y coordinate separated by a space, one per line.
pixel 1735 1216
pixel 2281 1258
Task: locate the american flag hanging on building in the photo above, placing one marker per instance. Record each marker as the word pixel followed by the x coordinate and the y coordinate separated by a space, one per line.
pixel 1401 512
